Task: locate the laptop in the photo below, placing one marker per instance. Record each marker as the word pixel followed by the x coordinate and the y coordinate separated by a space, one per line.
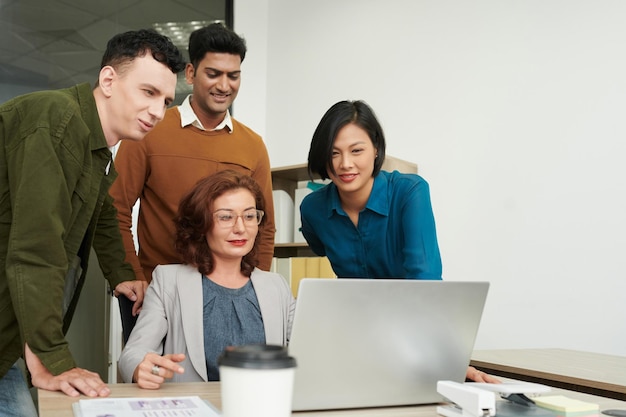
pixel 381 342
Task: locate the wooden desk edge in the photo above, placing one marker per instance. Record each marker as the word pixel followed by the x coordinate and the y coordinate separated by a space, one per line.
pixel 617 392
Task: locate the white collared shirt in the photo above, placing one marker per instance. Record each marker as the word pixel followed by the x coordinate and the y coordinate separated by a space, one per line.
pixel 188 117
pixel 113 150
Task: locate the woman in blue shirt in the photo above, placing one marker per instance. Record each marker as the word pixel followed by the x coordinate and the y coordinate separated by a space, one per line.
pixel 369 223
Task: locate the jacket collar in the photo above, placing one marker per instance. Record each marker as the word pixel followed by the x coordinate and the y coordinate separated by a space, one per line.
pixel 189 284
pixel 89 112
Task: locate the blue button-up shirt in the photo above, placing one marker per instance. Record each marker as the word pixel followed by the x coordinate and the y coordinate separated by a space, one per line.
pixel 395 236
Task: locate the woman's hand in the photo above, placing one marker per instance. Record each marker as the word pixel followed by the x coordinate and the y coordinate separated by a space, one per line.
pixel 480 376
pixel 155 369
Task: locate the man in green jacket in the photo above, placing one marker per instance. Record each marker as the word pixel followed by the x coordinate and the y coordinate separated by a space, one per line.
pixel 55 173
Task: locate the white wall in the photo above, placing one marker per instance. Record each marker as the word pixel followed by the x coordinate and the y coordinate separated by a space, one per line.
pixel 513 111
pixel 252 24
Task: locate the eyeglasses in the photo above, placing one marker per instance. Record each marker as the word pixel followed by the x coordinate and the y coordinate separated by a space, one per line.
pixel 227 218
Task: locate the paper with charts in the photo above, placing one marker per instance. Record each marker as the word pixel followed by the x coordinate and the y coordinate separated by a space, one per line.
pixel 192 406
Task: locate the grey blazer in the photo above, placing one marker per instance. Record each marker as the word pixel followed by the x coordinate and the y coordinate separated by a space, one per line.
pixel 171 319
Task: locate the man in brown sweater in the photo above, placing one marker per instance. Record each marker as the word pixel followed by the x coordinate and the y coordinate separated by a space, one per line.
pixel 195 139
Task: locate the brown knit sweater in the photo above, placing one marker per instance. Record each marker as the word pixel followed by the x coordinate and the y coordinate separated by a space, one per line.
pixel 165 165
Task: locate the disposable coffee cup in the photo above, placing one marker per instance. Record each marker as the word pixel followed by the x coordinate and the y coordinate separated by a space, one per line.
pixel 257 381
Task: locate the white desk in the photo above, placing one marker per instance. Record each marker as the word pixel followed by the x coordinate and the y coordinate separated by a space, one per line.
pixel 56 404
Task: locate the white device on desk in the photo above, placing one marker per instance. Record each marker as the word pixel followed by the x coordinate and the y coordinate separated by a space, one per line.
pixel 473 399
pixel 469 401
pixel 380 342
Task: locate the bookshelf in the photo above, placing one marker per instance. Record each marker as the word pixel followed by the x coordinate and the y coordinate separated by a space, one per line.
pixel 286 178
pixel 292 250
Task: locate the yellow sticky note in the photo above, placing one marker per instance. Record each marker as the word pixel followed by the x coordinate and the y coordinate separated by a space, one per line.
pixel 565 404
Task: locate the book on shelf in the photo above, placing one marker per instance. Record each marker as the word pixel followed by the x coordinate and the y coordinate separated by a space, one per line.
pixel 284 216
pixel 295 268
pixel 304 188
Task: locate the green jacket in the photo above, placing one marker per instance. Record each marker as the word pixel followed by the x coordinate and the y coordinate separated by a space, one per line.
pixel 55 173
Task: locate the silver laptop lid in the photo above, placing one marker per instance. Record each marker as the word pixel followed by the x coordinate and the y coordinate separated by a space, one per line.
pixel 381 342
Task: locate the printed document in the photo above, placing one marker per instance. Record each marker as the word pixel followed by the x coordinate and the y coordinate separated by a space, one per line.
pixel 192 406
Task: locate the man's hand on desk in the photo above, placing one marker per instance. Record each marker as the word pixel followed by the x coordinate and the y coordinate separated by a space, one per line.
pixel 74 382
pixel 479 376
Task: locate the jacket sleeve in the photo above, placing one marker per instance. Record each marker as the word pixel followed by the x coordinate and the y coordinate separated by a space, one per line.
pixel 308 228
pixel 42 190
pixel 108 245
pixel 149 333
pixel 131 164
pixel 263 177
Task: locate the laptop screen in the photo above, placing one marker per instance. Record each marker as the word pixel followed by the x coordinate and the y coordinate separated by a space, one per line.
pixel 381 342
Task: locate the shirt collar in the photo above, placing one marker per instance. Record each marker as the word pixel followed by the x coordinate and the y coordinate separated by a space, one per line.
pixel 377 202
pixel 188 117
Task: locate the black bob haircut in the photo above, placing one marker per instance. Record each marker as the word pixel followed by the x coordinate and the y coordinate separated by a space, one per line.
pixel 340 114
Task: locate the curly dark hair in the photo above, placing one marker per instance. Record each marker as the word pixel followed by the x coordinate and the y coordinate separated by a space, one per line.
pixel 195 219
pixel 123 48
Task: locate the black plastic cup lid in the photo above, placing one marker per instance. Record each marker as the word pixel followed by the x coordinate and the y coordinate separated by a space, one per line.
pixel 256 357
